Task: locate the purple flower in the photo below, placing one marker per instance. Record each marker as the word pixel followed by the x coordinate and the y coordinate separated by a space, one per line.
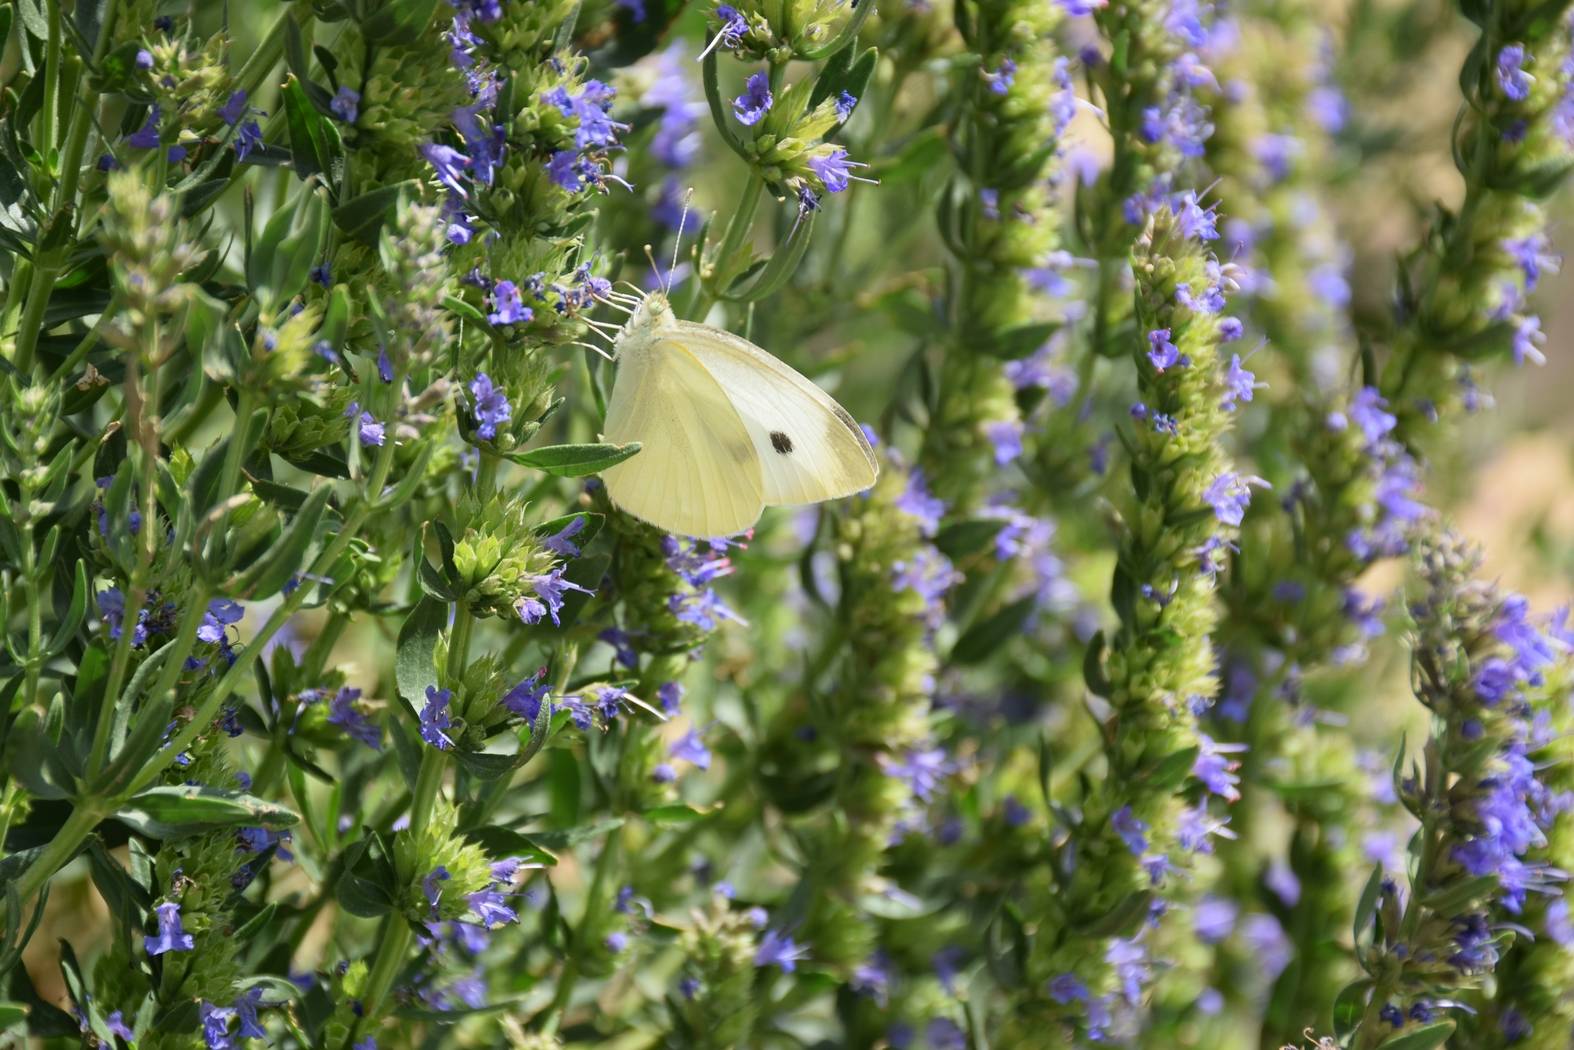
pixel 917 503
pixel 370 431
pixel 491 407
pixel 171 936
pixel 921 770
pixel 778 949
pixel 691 748
pixel 834 169
pixel 147 137
pixel 1534 256
pixel 116 1023
pixel 1495 680
pixel 435 718
pixel 1230 494
pixel 234 110
pixel 1511 75
pixel 430 888
pixel 449 164
pixel 1528 340
pixel 507 307
pixel 1368 410
pixel 216 1025
pixel 1281 879
pixel 346 105
pixel 671 696
pixel 568 170
pixel 222 612
pixel 1162 353
pixel 1214 769
pixel 561 542
pixel 845 104
pixel 525 699
pixel 1213 919
pixel 1239 384
pixel 730 34
pixel 342 712
pixel 551 589
pixel 755 101
pixel 491 907
pixel 1006 436
pixel 1533 650
pixel 1000 80
pixel 1133 832
pixel 942 1033
pixel 1068 988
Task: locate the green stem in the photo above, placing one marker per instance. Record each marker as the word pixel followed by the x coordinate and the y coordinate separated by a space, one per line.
pixel 570 972
pixel 60 850
pixel 42 280
pixel 706 291
pixel 396 929
pixel 269 48
pixel 35 614
pixel 52 57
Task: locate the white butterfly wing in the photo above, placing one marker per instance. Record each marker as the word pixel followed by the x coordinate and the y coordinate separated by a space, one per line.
pixel 809 448
pixel 697 472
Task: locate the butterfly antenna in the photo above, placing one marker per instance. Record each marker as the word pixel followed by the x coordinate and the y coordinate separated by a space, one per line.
pixel 655 268
pixel 683 217
pixel 592 346
pixel 637 297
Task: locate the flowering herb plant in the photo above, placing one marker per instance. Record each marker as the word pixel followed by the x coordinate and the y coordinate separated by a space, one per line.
pixel 1151 695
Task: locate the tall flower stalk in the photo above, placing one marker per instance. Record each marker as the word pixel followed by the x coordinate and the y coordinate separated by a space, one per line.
pixel 1138 828
pixel 1479 663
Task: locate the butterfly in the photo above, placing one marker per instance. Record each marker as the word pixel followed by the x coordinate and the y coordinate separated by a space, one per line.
pixel 725 429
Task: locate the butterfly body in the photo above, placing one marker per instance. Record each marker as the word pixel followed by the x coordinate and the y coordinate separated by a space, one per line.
pixel 725 428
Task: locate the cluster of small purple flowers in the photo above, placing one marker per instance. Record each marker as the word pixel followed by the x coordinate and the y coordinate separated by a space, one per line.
pixel 1395 510
pixel 1481 665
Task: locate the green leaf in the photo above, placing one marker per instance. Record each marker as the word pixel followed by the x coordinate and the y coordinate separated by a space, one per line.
pixel 281 259
pixel 488 765
pixel 574 461
pixel 273 569
pixel 11 1014
pixel 398 22
pixel 1093 675
pixel 1367 906
pixel 675 814
pixel 1427 1037
pixel 363 218
pixel 845 73
pixel 637 35
pixel 988 635
pixel 414 668
pixel 573 836
pixel 314 141
pixel 1015 342
pixel 67 627
pixel 500 842
pixel 1453 899
pixel 923 153
pixel 256 924
pixel 1171 772
pixel 565 790
pixel 1349 1006
pixel 367 888
pixel 960 539
pixel 190 808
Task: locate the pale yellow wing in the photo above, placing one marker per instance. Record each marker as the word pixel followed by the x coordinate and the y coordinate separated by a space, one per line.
pixel 697 472
pixel 810 449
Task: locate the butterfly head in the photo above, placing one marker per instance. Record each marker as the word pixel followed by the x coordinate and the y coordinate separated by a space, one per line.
pixel 653 314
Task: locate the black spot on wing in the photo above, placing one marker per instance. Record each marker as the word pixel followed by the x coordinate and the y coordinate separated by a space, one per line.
pixel 781 442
